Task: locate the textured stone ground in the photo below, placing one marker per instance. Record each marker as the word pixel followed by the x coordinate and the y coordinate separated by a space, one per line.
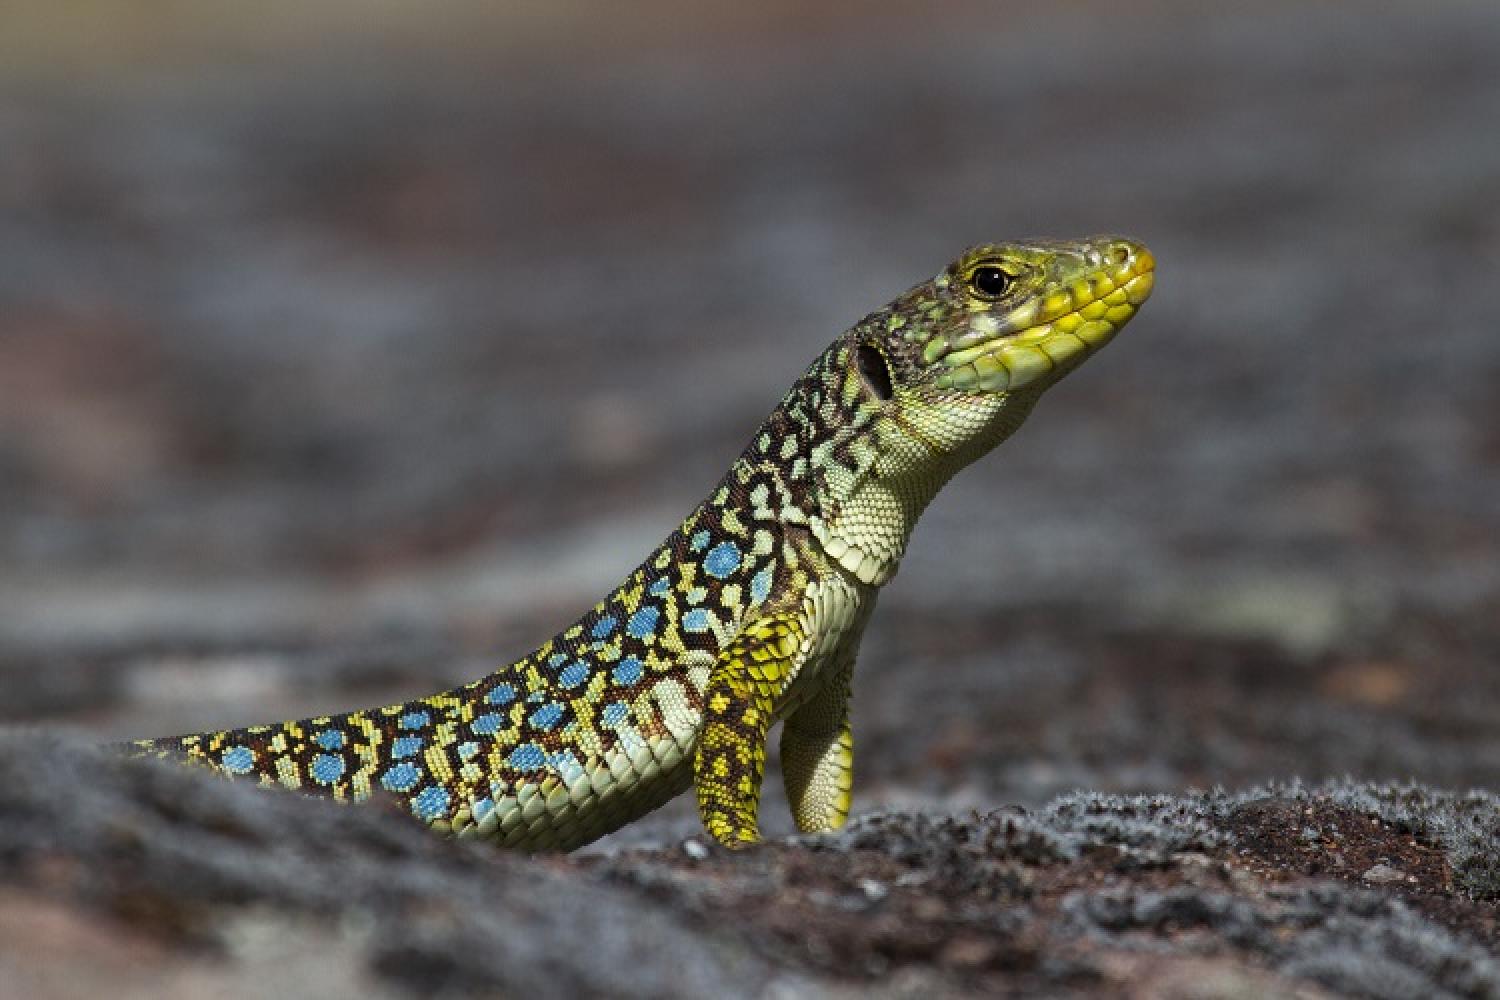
pixel 160 881
pixel 333 373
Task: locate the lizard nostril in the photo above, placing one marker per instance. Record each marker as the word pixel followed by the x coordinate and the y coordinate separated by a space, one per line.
pixel 1119 254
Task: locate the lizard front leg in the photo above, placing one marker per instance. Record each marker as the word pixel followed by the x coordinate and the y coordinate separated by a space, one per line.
pixel 737 705
pixel 817 755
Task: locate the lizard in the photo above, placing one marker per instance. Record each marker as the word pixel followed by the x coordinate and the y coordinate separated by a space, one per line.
pixel 752 611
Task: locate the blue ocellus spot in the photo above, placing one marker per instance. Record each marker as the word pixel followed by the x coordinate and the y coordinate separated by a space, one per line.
pixel 415 720
pixel 430 803
pixel 487 724
pixel 722 560
pixel 699 541
pixel 238 760
pixel 605 626
pixel 760 585
pixel 326 768
pixel 615 713
pixel 642 624
pixel 573 675
pixel 527 757
pixel 546 717
pixel 501 694
pixel 406 746
pixel 401 778
pixel 628 670
pixel 660 587
pixel 330 739
pixel 698 620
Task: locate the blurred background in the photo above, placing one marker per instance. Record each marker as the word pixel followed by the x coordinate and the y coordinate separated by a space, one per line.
pixel 347 352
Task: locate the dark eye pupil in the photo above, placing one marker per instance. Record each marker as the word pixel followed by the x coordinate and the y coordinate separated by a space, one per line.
pixel 990 281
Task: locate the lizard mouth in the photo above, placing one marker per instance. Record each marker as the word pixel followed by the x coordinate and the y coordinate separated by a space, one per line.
pixel 1048 336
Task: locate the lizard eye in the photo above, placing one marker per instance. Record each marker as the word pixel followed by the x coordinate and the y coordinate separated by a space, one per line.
pixel 989 282
pixel 875 373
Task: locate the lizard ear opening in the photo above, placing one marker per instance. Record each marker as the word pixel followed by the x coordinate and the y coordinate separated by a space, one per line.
pixel 874 372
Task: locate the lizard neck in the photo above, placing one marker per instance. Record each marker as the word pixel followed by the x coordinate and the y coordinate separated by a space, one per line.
pixel 855 473
pixel 877 484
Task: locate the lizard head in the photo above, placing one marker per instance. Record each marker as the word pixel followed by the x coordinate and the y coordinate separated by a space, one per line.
pixel 964 355
pixel 1003 320
pixel 951 368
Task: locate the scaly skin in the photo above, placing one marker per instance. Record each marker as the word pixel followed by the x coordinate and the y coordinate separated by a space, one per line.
pixel 750 612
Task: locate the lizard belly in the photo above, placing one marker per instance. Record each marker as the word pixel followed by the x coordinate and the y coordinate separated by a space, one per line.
pixel 622 788
pixel 642 771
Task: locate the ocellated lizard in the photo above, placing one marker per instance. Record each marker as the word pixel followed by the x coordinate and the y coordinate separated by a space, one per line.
pixel 752 610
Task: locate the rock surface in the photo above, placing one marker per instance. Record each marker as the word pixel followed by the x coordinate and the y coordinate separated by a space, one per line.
pixel 197 883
